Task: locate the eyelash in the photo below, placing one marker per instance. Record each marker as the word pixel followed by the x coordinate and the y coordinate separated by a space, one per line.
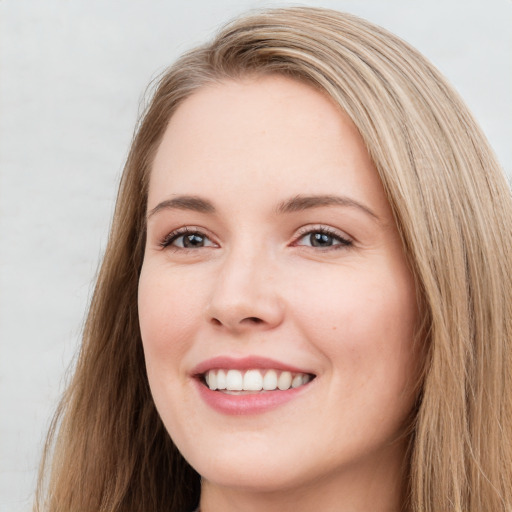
pixel 174 235
pixel 344 243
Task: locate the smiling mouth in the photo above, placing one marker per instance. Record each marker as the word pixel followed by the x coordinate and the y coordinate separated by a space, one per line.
pixel 254 380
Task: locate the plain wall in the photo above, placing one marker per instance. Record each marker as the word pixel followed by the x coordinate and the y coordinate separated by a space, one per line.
pixel 72 75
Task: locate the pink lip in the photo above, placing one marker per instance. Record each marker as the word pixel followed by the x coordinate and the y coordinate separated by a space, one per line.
pixel 253 403
pixel 244 363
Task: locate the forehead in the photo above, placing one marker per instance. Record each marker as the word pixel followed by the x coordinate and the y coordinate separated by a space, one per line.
pixel 264 133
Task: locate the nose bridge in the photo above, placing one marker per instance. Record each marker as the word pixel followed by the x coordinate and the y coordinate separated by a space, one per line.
pixel 245 292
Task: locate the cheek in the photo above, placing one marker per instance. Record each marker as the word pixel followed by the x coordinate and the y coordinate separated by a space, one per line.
pixel 168 316
pixel 168 311
pixel 364 323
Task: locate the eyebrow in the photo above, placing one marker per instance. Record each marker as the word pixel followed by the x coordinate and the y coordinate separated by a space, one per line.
pixel 295 204
pixel 193 203
pixel 301 202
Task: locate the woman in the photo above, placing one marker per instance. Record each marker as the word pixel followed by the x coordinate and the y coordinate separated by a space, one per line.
pixel 305 303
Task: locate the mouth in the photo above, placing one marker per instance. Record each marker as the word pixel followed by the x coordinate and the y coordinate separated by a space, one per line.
pixel 256 380
pixel 249 385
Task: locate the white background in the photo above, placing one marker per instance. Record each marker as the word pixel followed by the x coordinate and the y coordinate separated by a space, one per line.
pixel 72 75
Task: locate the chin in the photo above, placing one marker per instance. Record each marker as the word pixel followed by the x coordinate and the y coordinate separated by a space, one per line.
pixel 263 468
pixel 253 477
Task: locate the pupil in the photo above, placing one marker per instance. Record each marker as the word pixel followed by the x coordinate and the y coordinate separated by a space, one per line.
pixel 321 240
pixel 193 240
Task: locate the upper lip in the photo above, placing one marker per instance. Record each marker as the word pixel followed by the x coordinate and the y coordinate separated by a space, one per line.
pixel 244 363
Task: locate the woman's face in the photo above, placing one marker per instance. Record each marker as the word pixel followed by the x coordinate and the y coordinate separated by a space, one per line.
pixel 273 266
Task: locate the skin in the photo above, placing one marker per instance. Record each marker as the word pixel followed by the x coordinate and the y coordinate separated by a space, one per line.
pixel 257 286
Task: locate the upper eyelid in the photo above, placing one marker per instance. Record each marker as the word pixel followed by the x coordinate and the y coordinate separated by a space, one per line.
pixel 323 228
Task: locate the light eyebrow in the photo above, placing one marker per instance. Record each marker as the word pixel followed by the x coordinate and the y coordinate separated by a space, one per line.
pixel 301 202
pixel 193 203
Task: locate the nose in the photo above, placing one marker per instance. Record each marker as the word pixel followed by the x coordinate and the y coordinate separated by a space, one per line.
pixel 245 294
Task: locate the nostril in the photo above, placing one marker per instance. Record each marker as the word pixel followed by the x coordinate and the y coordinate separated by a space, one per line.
pixel 253 319
pixel 247 321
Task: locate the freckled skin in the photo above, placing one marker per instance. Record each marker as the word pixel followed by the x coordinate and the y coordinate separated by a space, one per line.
pixel 345 313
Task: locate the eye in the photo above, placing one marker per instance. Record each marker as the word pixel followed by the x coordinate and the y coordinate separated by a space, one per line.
pixel 186 239
pixel 323 238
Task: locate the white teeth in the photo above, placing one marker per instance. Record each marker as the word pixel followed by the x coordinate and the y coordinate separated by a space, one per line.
pixel 296 381
pixel 221 379
pixel 212 380
pixel 254 380
pixel 234 380
pixel 270 380
pixel 284 381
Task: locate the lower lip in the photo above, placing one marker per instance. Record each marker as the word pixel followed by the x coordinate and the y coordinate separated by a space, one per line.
pixel 254 403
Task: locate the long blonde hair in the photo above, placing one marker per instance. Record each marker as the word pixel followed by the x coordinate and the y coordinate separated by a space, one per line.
pixel 108 450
